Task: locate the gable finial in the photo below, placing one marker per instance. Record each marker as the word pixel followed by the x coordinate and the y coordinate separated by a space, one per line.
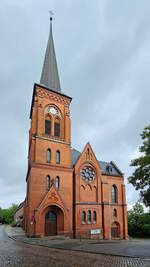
pixel 51 15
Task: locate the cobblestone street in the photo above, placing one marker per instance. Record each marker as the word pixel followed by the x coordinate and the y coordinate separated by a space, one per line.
pixel 14 253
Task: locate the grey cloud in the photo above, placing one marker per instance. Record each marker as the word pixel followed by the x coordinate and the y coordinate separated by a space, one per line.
pixel 103 59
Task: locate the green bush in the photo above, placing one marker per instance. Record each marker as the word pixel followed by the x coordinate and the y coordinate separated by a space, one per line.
pixel 7 215
pixel 145 230
pixel 13 224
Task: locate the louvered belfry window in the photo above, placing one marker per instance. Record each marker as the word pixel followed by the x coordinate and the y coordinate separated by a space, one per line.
pixel 48 125
pixel 57 128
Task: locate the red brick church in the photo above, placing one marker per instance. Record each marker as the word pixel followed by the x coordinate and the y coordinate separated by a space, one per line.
pixel 68 192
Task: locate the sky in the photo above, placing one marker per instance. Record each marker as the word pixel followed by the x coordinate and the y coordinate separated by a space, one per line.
pixel 103 56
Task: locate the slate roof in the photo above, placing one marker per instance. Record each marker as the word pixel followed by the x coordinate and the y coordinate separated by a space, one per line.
pixel 50 76
pixel 108 168
pixel 19 207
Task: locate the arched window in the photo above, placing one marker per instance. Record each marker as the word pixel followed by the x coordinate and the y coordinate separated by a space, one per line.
pixel 89 216
pixel 114 194
pixel 57 128
pixel 48 155
pixel 115 213
pixel 83 217
pixel 57 182
pixel 48 125
pixel 47 182
pixel 94 216
pixel 58 157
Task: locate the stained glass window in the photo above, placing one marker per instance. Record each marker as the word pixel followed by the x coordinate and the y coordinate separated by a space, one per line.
pixel 89 216
pixel 114 194
pixel 57 156
pixel 48 156
pixel 87 174
pixel 83 217
pixel 94 216
pixel 57 182
pixel 115 213
pixel 47 182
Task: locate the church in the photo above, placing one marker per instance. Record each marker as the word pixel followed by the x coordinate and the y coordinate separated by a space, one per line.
pixel 68 192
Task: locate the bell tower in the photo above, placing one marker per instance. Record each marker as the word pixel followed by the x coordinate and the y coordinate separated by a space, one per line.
pixel 49 154
pixel 50 114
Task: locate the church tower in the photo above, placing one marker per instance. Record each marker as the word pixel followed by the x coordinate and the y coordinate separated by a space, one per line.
pixel 48 205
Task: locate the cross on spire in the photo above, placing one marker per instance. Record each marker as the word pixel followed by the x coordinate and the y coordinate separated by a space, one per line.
pixel 51 15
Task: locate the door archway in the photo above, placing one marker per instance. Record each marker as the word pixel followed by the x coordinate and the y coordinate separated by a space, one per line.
pixel 54 221
pixel 115 230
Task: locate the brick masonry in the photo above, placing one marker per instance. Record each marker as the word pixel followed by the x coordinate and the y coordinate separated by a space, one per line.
pixel 74 194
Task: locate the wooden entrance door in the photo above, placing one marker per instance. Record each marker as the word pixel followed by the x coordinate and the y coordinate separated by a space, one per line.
pixel 115 232
pixel 50 224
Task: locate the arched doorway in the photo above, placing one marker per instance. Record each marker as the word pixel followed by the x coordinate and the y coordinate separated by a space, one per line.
pixel 54 221
pixel 115 230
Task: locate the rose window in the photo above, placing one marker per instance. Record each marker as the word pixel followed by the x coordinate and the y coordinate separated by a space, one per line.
pixel 87 174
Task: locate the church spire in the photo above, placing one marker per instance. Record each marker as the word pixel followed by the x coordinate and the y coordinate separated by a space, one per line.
pixel 50 76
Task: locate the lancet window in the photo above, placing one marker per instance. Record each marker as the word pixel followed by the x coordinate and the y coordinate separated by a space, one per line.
pixel 48 155
pixel 114 194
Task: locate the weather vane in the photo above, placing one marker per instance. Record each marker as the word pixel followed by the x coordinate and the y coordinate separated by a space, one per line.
pixel 51 14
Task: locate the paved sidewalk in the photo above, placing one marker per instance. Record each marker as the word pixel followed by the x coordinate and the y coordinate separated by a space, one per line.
pixel 134 248
pixel 20 254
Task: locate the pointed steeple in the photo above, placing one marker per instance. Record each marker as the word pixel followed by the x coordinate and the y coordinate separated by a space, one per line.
pixel 50 76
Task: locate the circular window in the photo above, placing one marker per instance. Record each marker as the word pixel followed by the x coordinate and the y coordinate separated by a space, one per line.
pixel 87 174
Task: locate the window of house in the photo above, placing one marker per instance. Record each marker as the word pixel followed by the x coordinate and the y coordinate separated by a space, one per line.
pixel 115 213
pixel 58 157
pixel 83 217
pixel 57 128
pixel 57 182
pixel 48 155
pixel 89 216
pixel 94 216
pixel 114 194
pixel 47 182
pixel 48 125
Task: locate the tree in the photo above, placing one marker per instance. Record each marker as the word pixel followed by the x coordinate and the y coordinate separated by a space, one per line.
pixel 10 213
pixel 134 219
pixel 7 215
pixel 140 178
pixel 138 222
pixel 138 209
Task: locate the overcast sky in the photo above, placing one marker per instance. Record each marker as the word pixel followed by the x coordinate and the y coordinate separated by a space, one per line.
pixel 103 56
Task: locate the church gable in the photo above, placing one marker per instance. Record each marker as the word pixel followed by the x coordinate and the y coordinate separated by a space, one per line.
pixel 87 156
pixel 107 168
pixel 52 197
pixel 87 175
